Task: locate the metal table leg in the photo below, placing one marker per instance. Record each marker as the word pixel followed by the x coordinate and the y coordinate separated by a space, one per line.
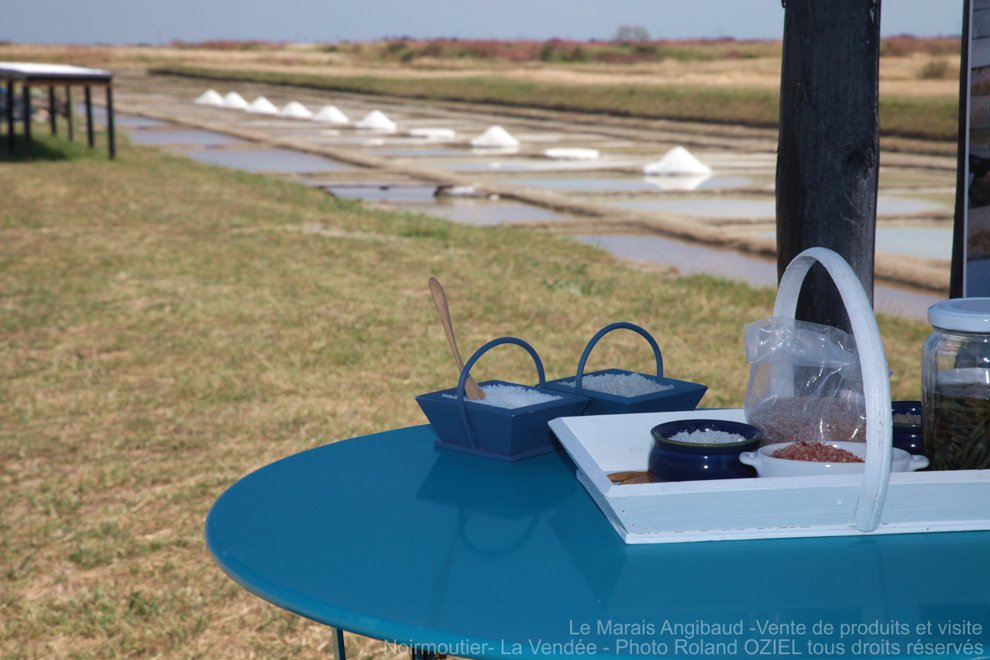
pixel 52 111
pixel 68 109
pixel 416 654
pixel 26 90
pixel 11 100
pixel 89 116
pixel 111 139
pixel 338 644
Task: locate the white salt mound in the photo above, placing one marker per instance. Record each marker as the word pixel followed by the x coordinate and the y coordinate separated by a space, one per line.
pixel 331 115
pixel 669 182
pixel 514 396
pixel 494 151
pixel 495 136
pixel 679 162
pixel 209 97
pixel 295 110
pixel 628 385
pixel 433 133
pixel 376 120
pixel 235 101
pixel 510 396
pixel 261 106
pixel 459 191
pixel 707 437
pixel 571 154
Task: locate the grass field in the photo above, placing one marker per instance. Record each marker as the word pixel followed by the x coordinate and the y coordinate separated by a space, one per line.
pixel 921 116
pixel 166 328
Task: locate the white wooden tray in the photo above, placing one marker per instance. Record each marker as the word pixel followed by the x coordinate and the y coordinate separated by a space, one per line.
pixel 759 508
pixel 876 502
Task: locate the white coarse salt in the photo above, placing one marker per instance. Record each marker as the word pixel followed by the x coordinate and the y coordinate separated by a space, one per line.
pixel 627 385
pixel 331 115
pixel 495 136
pixel 678 162
pixel 376 120
pixel 510 396
pixel 209 97
pixel 707 437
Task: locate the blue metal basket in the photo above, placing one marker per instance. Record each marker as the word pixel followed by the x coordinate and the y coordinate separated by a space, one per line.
pixel 682 394
pixel 507 434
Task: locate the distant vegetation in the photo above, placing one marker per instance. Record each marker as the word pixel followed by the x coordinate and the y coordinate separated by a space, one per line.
pixel 228 44
pixel 630 44
pixel 927 117
pixel 937 69
pixel 738 79
pixel 623 50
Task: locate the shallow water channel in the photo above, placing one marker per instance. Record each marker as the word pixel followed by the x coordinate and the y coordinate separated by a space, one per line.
pixel 694 259
pixel 745 196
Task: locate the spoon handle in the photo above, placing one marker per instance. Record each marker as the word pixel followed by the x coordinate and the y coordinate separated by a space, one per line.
pixel 440 300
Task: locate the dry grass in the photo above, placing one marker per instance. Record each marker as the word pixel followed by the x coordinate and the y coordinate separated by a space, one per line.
pixel 900 69
pixel 166 328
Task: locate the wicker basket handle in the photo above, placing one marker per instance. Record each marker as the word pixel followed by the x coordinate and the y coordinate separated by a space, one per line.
pixel 873 362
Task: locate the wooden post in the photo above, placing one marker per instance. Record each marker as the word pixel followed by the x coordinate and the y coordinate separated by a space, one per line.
pixel 828 148
pixel 962 153
pixel 68 111
pixel 52 110
pixel 111 136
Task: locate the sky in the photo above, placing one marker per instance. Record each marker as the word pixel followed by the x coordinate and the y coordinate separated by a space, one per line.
pixel 162 21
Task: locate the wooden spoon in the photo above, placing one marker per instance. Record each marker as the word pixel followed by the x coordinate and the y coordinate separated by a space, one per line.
pixel 440 300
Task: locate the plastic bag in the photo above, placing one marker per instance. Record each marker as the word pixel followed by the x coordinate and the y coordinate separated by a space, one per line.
pixel 805 382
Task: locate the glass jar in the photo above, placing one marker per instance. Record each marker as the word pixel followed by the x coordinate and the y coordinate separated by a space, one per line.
pixel 955 381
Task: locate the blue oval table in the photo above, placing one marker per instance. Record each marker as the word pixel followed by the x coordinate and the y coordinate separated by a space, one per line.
pixel 389 537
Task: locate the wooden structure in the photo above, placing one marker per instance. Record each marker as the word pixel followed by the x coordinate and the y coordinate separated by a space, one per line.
pixel 828 147
pixel 962 169
pixel 53 76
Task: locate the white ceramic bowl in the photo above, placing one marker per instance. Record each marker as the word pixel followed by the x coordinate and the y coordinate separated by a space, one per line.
pixel 768 466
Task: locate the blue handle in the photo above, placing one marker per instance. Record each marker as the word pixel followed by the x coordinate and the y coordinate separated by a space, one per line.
pixel 474 358
pixel 604 331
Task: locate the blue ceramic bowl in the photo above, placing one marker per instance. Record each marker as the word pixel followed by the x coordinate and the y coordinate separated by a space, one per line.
pixel 692 460
pixel 907 436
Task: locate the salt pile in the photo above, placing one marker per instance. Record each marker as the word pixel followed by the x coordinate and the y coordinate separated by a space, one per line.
pixel 571 154
pixel 261 106
pixel 678 162
pixel 511 396
pixel 459 191
pixel 331 115
pixel 681 182
pixel 295 110
pixel 707 437
pixel 235 101
pixel 495 136
pixel 627 385
pixel 433 133
pixel 376 120
pixel 209 97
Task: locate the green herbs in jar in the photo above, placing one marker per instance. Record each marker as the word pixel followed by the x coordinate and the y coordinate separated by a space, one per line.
pixel 958 435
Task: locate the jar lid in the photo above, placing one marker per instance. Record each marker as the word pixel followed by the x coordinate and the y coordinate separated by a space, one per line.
pixel 961 314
